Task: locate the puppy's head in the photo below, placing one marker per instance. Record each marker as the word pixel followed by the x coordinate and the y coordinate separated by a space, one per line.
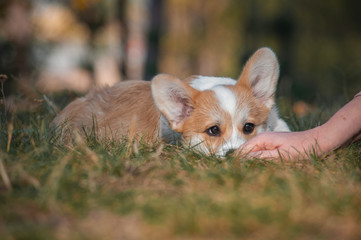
pixel 227 113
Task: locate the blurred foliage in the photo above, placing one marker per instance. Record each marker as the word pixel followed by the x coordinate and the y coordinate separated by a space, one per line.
pixel 318 43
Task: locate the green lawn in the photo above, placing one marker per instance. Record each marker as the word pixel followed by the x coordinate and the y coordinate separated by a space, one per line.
pixel 121 190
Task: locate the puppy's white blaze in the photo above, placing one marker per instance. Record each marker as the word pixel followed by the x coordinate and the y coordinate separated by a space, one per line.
pixel 226 98
pixel 204 83
pixel 228 102
pixel 234 142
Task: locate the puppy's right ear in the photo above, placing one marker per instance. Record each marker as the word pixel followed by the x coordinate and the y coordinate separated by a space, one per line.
pixel 174 99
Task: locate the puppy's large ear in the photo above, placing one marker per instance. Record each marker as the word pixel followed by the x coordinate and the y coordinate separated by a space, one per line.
pixel 261 74
pixel 174 99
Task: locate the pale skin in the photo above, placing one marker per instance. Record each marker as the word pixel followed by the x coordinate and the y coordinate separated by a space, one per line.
pixel 343 127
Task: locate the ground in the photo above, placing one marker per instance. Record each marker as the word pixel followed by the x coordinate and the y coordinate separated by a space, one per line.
pixel 124 190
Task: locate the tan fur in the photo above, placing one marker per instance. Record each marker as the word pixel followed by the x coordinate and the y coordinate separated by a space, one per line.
pixel 115 110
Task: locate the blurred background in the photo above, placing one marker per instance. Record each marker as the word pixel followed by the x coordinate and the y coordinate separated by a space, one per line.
pixel 50 46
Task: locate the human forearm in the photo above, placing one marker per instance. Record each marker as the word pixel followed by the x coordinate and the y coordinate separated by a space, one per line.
pixel 342 127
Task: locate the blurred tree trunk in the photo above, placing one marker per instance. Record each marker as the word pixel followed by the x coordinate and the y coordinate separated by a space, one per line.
pixel 15 49
pixel 155 28
pixel 137 16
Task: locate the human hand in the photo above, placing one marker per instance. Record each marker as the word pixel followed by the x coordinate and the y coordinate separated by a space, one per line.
pixel 342 127
pixel 285 145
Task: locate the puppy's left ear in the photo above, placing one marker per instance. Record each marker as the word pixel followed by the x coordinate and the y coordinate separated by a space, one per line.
pixel 260 75
pixel 174 99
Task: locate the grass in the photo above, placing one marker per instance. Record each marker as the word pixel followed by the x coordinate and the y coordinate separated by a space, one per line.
pixel 122 190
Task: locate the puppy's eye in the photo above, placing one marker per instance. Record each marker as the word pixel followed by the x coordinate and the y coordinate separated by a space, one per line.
pixel 248 128
pixel 213 131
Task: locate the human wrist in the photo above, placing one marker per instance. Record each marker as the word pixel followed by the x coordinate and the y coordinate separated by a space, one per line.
pixel 327 139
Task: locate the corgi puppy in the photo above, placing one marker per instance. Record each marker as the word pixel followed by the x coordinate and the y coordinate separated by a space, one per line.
pixel 212 114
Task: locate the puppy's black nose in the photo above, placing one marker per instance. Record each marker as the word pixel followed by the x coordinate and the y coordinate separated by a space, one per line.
pixel 230 151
